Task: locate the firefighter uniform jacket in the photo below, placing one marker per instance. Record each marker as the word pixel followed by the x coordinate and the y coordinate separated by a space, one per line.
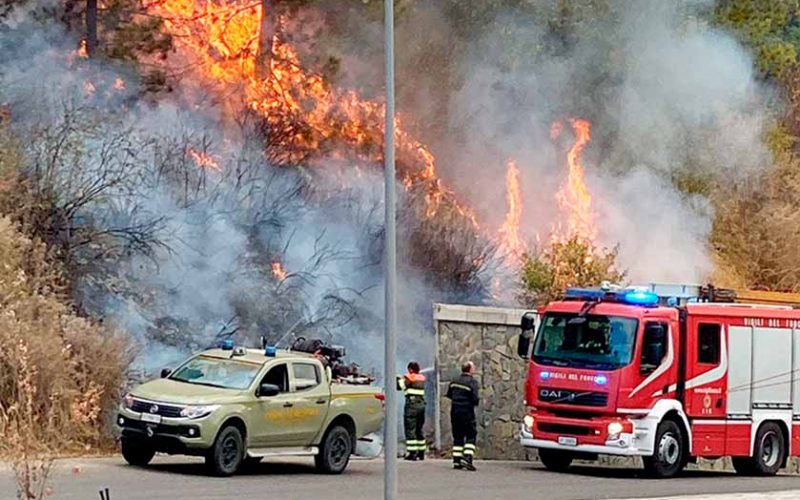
pixel 463 392
pixel 413 385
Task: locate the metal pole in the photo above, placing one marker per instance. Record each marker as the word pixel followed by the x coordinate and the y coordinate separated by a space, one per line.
pixel 390 437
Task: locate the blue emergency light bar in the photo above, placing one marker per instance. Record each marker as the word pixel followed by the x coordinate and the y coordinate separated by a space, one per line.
pixel 226 345
pixel 633 297
pixel 270 351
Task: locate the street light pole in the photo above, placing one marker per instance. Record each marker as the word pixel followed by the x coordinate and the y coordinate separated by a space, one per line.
pixel 390 432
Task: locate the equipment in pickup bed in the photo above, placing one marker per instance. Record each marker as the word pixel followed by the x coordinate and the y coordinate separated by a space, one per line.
pixel 332 356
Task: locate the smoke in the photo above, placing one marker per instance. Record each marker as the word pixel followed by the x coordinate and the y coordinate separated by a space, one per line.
pixel 179 254
pixel 668 96
pixel 185 252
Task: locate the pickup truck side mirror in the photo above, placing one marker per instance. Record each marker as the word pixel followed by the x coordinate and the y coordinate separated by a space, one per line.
pixel 166 372
pixel 268 390
pixel 528 324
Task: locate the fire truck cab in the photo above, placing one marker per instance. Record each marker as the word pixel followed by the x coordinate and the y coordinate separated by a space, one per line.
pixel 635 372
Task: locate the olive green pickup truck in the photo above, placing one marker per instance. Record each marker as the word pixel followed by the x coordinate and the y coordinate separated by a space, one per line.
pixel 235 405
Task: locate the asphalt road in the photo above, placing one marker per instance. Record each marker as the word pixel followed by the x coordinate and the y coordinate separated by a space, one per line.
pixel 179 478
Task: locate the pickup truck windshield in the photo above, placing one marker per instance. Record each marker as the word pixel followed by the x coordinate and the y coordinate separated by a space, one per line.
pixel 591 341
pixel 216 372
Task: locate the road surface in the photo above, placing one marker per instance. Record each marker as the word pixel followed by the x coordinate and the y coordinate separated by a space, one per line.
pixel 175 478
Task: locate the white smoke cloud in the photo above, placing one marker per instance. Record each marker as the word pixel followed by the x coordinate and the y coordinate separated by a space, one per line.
pixel 667 95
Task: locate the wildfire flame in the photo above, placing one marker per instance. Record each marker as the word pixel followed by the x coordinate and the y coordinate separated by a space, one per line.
pixel 278 271
pixel 83 50
pixel 574 198
pixel 119 84
pixel 203 160
pixel 510 241
pixel 301 110
pixel 89 87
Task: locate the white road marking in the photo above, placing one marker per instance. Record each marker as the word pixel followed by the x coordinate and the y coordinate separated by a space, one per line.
pixel 772 495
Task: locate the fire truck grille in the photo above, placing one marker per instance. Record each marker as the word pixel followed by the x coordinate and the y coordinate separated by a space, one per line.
pixel 571 430
pixel 156 408
pixel 570 397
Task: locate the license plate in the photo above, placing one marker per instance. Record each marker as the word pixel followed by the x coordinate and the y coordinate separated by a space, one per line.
pixel 567 441
pixel 149 417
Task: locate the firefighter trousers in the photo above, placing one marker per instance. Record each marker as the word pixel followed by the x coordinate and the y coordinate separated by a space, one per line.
pixel 413 421
pixel 464 433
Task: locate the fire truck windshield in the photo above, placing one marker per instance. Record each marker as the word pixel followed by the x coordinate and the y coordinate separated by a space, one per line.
pixel 591 341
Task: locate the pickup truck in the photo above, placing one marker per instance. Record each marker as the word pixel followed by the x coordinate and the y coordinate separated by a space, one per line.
pixel 235 406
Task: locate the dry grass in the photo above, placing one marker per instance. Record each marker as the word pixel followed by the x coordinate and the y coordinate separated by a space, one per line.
pixel 59 373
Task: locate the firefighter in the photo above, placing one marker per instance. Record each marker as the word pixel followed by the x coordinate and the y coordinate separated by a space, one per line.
pixel 463 394
pixel 413 385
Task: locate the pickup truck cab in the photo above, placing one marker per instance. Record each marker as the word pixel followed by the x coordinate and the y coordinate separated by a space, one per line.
pixel 238 405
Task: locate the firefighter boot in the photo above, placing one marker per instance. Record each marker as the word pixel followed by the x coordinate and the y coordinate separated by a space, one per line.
pixel 457 463
pixel 468 464
pixel 421 455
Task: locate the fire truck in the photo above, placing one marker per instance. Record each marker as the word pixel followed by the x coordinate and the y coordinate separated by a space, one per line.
pixel 668 373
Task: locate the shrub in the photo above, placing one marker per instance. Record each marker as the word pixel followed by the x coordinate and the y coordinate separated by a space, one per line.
pixel 563 264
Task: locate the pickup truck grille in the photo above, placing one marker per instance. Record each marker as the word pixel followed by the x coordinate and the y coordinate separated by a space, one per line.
pixel 164 410
pixel 571 397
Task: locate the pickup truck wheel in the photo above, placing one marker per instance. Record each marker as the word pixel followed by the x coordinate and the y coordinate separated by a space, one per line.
pixel 555 460
pixel 227 454
pixel 669 456
pixel 335 450
pixel 137 452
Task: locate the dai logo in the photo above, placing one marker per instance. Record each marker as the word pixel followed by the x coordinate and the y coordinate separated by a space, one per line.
pixel 553 394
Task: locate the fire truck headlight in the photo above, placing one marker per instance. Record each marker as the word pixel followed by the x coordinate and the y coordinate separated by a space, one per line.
pixel 528 421
pixel 615 429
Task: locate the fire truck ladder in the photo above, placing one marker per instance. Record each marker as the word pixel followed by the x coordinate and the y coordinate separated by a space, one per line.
pixel 710 293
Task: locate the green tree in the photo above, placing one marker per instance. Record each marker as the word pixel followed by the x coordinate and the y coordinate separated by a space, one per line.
pixel 564 264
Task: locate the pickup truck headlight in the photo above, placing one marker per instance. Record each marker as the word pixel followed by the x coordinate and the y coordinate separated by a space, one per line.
pixel 127 401
pixel 198 411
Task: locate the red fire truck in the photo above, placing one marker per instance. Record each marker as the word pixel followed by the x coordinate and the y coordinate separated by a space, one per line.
pixel 667 373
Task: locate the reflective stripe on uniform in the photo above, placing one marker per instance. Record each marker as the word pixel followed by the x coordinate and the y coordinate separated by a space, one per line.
pixel 415 392
pixel 415 445
pixel 469 449
pixel 458 451
pixel 461 386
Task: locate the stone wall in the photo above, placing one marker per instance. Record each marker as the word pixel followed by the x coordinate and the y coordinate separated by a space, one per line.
pixel 487 336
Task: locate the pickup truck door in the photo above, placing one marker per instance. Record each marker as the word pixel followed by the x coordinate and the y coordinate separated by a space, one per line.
pixel 311 389
pixel 271 425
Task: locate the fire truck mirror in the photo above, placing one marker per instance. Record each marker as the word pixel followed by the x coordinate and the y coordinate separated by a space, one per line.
pixel 524 344
pixel 528 321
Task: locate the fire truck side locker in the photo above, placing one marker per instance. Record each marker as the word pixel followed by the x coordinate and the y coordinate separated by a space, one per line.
pixel 740 377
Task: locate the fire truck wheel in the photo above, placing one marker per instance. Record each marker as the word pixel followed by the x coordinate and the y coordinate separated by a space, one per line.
pixel 769 450
pixel 334 452
pixel 670 456
pixel 555 460
pixel 227 454
pixel 136 452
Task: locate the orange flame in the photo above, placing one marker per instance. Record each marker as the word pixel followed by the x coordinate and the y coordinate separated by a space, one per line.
pixel 203 160
pixel 83 50
pixel 278 271
pixel 574 197
pixel 510 241
pixel 303 113
pixel 88 87
pixel 119 84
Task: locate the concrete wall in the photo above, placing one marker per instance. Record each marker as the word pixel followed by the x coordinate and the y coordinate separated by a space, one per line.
pixel 487 336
